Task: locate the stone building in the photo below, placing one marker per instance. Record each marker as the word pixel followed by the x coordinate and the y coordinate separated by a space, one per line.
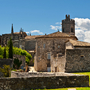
pixel 55 52
pixel 61 52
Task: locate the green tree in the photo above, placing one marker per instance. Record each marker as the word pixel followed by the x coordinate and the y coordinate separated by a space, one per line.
pixel 10 45
pixel 17 63
pixel 4 54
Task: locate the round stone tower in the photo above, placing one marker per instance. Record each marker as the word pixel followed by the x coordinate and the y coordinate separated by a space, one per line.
pixel 68 25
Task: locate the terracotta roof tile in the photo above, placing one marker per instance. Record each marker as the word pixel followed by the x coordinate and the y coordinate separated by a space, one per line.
pixel 32 37
pixel 79 43
pixel 57 34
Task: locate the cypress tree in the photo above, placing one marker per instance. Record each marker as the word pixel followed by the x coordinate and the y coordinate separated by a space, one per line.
pixel 4 54
pixel 10 45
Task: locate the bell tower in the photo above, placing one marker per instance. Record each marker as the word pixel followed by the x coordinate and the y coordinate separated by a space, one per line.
pixel 68 25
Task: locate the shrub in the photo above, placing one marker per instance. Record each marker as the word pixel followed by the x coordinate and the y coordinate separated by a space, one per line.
pixel 27 60
pixel 6 70
pixel 17 63
pixel 1 56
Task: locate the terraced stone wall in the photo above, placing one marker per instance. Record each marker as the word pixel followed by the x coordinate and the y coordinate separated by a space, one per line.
pixel 43 82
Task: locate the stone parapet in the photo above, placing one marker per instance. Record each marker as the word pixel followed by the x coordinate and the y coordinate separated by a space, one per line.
pixel 41 82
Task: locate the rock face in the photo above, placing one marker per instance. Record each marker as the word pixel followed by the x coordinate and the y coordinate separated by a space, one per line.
pixel 77 60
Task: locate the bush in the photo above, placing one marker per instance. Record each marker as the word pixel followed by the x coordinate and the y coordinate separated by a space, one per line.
pixel 17 63
pixel 6 70
pixel 1 57
pixel 27 60
pixel 17 51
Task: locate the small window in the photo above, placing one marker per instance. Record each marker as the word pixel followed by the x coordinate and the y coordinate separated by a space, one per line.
pixel 39 58
pixel 58 46
pixel 48 56
pixel 63 29
pixel 21 46
pixel 71 29
pixel 43 45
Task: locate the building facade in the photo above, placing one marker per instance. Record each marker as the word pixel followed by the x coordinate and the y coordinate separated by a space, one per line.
pixel 55 52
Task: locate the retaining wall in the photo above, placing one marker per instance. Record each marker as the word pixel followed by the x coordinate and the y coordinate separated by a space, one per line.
pixel 44 82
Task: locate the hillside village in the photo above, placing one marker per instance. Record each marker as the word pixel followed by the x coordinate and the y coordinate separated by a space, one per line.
pixel 55 55
pixel 52 52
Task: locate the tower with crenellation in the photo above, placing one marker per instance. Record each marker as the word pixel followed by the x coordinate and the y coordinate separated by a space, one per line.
pixel 68 25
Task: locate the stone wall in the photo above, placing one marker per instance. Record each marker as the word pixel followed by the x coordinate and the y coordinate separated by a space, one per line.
pixel 43 82
pixel 21 58
pixel 30 44
pixel 58 63
pixel 77 60
pixel 48 45
pixel 5 62
pixel 45 46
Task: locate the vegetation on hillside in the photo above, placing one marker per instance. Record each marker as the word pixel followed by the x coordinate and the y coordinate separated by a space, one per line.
pixel 6 70
pixel 10 46
pixel 17 51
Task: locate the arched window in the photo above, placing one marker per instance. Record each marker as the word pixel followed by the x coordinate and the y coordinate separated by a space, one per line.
pixel 71 29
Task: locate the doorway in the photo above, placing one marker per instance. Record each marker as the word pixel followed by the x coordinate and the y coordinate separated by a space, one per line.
pixel 55 69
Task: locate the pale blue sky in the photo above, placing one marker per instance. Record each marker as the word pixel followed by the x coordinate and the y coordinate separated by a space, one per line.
pixel 39 15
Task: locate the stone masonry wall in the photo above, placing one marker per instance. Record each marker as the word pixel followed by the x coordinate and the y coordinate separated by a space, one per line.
pixel 77 60
pixel 30 44
pixel 43 82
pixel 48 45
pixel 58 63
pixel 21 58
pixel 5 62
pixel 45 46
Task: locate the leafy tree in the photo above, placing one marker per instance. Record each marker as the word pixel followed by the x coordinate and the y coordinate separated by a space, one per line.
pixel 6 70
pixel 4 55
pixel 17 63
pixel 10 45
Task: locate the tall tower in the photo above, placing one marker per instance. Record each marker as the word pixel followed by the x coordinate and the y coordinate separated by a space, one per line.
pixel 68 25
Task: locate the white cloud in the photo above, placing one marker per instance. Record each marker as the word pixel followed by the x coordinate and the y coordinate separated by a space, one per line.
pixel 82 29
pixel 55 27
pixel 58 23
pixel 82 23
pixel 36 31
pixel 27 32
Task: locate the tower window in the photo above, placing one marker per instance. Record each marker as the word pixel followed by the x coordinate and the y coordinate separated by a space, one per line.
pixel 63 29
pixel 48 56
pixel 43 45
pixel 71 29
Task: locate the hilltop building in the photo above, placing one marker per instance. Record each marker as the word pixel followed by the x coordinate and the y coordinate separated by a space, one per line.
pixel 55 52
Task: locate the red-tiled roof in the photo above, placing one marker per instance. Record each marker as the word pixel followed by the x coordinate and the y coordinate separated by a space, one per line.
pixel 78 43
